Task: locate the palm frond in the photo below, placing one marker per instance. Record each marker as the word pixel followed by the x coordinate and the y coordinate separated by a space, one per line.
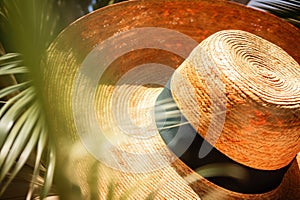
pixel 23 131
pixel 28 26
pixel 286 9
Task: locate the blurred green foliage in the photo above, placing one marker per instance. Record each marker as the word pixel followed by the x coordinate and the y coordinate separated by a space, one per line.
pixel 28 27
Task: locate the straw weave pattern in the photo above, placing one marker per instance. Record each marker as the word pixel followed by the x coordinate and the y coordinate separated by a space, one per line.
pixel 262 88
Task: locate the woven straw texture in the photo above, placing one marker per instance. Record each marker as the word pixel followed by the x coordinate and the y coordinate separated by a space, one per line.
pixel 261 82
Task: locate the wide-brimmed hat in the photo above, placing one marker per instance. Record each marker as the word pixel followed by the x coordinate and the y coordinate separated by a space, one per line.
pixel 223 125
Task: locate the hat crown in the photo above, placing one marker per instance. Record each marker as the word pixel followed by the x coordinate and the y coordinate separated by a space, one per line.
pixel 242 94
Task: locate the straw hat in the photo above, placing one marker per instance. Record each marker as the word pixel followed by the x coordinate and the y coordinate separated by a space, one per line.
pixel 224 125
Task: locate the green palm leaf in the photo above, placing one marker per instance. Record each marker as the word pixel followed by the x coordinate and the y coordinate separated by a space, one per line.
pixel 27 27
pixel 22 131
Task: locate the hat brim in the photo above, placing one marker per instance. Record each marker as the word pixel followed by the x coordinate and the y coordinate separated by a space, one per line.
pixel 196 19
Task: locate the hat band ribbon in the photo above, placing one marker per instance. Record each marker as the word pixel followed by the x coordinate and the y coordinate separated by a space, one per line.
pixel 184 141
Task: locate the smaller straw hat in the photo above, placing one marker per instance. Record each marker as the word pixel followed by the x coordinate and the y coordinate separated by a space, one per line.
pixel 256 84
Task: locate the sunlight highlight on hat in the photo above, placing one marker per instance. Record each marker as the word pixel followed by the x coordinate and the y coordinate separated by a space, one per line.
pixel 135 119
pixel 91 71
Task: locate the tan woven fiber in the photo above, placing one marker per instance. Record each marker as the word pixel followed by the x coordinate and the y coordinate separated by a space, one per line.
pixel 139 160
pixel 261 82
